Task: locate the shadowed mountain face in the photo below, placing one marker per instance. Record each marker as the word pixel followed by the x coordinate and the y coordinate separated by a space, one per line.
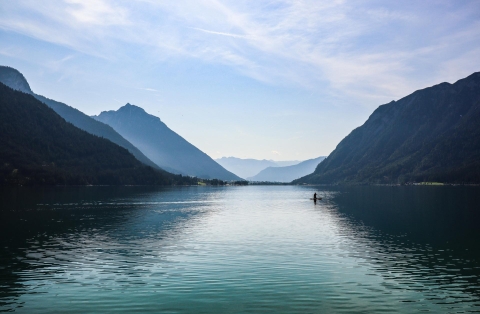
pixel 163 146
pixel 249 167
pixel 430 135
pixel 288 173
pixel 14 79
pixel 38 147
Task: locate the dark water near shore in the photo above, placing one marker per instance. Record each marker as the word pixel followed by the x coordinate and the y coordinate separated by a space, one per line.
pixel 240 249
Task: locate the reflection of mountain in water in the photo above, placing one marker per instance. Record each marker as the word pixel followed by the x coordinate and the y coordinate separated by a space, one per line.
pixel 417 238
pixel 429 214
pixel 43 230
pixel 360 248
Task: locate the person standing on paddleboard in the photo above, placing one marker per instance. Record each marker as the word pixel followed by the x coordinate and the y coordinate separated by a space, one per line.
pixel 315 196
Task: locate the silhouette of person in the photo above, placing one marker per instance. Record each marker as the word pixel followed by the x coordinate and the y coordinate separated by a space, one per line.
pixel 315 196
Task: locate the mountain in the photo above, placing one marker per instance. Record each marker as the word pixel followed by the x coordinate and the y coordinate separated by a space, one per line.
pixel 38 147
pixel 249 167
pixel 288 173
pixel 430 135
pixel 285 163
pixel 163 146
pixel 14 79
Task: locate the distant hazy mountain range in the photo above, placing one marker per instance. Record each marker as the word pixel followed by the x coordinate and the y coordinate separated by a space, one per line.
pixel 14 79
pixel 288 173
pixel 269 170
pixel 163 146
pixel 38 147
pixel 430 135
pixel 249 167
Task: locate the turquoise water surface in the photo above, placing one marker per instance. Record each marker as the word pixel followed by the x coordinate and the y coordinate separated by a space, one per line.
pixel 240 249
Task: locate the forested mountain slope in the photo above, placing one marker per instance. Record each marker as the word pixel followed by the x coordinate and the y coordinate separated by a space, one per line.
pixel 38 147
pixel 14 79
pixel 430 135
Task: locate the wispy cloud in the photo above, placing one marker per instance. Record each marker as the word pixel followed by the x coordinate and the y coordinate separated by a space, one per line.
pixel 97 12
pixel 366 49
pixel 219 33
pixel 147 89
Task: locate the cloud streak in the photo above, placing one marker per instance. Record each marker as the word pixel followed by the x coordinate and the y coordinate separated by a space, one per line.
pixel 368 50
pixel 147 89
pixel 219 33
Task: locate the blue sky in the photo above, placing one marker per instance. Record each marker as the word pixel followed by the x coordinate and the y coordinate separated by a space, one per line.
pixel 253 79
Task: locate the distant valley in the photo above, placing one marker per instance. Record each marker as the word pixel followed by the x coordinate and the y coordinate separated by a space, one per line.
pixel 269 170
pixel 287 173
pixel 250 167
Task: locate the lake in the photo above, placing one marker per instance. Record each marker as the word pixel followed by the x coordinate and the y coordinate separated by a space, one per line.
pixel 364 249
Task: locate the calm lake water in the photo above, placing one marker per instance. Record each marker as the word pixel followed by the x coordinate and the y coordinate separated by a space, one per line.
pixel 240 249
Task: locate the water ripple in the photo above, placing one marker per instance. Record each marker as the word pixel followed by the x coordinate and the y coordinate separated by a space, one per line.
pixel 218 250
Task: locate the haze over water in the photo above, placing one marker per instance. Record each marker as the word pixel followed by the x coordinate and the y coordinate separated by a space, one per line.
pixel 240 249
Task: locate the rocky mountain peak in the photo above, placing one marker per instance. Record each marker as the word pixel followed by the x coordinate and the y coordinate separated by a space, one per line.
pixel 14 79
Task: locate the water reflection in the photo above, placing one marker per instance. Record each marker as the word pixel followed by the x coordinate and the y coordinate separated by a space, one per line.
pixel 418 238
pixel 239 249
pixel 80 235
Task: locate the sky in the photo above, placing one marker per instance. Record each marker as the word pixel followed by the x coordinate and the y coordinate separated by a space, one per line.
pixel 281 80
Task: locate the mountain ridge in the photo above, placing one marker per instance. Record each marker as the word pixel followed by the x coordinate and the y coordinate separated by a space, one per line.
pixel 249 167
pixel 287 173
pixel 162 145
pixel 40 148
pixel 15 79
pixel 429 135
